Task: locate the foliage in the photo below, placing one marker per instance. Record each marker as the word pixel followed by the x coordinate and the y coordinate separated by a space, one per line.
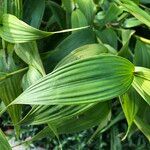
pixel 71 65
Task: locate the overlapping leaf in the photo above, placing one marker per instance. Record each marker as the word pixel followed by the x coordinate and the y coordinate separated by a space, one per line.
pixel 82 81
pixel 136 11
pixel 14 30
pixel 43 114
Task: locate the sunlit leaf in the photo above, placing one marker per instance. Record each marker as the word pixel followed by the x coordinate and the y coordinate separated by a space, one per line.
pixel 77 83
pixel 14 30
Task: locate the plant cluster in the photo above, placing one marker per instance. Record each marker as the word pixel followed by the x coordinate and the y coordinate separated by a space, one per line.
pixel 71 65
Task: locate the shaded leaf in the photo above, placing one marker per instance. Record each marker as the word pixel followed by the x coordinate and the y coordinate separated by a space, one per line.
pixel 33 16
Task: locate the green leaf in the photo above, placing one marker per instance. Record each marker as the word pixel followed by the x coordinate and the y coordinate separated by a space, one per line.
pixel 91 117
pixel 70 43
pixel 130 102
pixel 95 116
pixel 113 12
pixel 82 81
pixel 142 54
pixel 30 77
pixel 12 7
pixel 33 16
pixel 58 15
pixel 28 52
pixel 125 39
pixel 88 9
pixel 14 30
pixel 68 5
pixel 145 128
pixel 136 11
pixel 83 52
pixel 43 114
pixel 10 85
pixel 108 36
pixel 131 22
pixel 78 19
pixel 4 145
pixel 141 82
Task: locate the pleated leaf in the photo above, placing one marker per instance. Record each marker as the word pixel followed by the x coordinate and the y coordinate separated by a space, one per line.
pixel 94 79
pixel 82 52
pixel 142 54
pixel 43 114
pixel 141 82
pixel 69 44
pixel 14 30
pixel 96 115
pixel 88 9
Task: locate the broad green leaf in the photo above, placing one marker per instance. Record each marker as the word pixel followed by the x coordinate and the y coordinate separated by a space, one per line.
pixel 130 102
pixel 28 52
pixel 78 19
pixel 95 116
pixel 4 145
pixel 136 11
pixel 108 36
pixel 113 121
pixel 113 12
pixel 13 7
pixel 30 77
pixel 10 85
pixel 42 114
pixel 70 43
pixel 126 35
pixel 125 39
pixel 90 118
pixel 33 16
pixel 83 52
pixel 141 82
pixel 131 22
pixel 82 81
pixel 14 30
pixel 144 127
pixel 142 54
pixel 88 9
